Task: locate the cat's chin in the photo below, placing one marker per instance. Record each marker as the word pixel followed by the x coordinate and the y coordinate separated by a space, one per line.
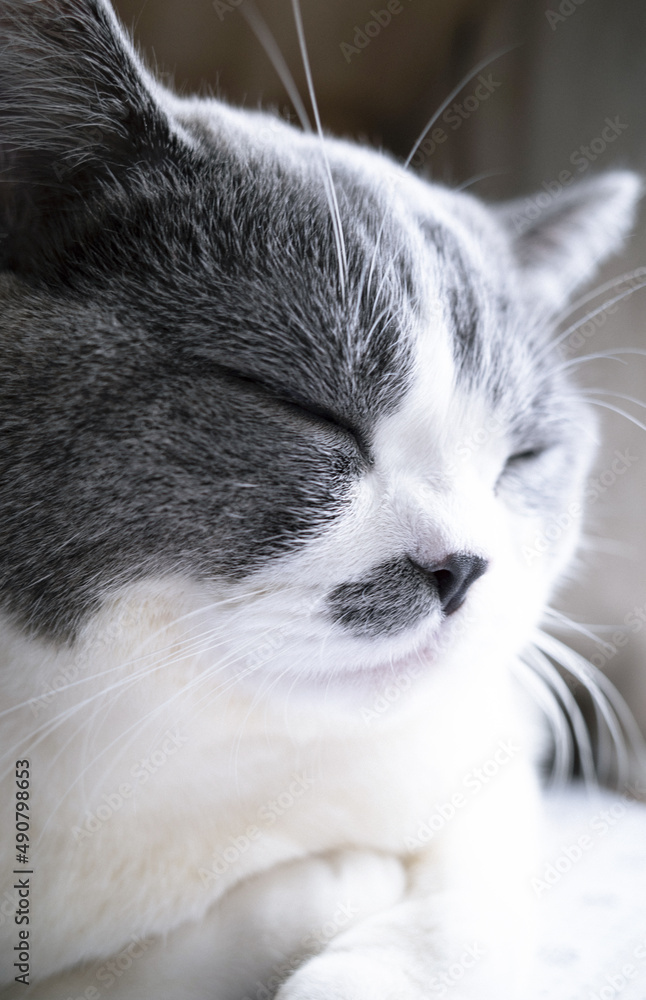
pixel 393 676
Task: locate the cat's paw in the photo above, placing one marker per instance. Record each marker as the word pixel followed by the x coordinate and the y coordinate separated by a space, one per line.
pixel 348 976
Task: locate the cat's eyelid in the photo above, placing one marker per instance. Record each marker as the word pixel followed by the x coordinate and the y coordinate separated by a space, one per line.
pixel 321 414
pixel 529 454
pixel 280 394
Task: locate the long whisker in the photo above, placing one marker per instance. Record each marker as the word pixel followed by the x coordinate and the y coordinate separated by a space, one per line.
pixel 611 355
pixel 117 689
pixel 617 395
pixel 331 191
pixel 98 697
pixel 639 272
pixel 260 28
pixel 538 687
pixel 454 93
pixel 616 714
pixel 367 337
pixel 617 409
pixel 94 677
pixel 264 689
pixel 574 626
pixel 375 253
pixel 384 281
pixel 552 676
pixel 124 684
pixel 605 765
pixel 142 721
pixel 134 660
pixel 610 546
pixel 595 312
pixel 480 177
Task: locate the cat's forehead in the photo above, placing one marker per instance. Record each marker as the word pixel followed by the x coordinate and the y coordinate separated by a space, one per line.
pixel 330 279
pixel 241 258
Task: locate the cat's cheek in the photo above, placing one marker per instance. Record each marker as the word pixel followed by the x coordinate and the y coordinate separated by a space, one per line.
pixel 544 545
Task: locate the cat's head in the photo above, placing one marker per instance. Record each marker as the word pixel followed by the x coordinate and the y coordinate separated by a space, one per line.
pixel 282 380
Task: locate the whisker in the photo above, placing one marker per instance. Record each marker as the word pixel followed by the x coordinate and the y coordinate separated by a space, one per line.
pixel 384 280
pixel 331 191
pixel 480 177
pixel 231 657
pixel 611 547
pixel 261 30
pixel 119 688
pixel 618 410
pixel 375 253
pixel 638 272
pixel 538 687
pixel 141 722
pixel 618 395
pixel 574 714
pixel 382 315
pixel 611 355
pixel 264 689
pixel 454 93
pixel 131 661
pixel 124 684
pixel 612 707
pixel 585 630
pixel 590 315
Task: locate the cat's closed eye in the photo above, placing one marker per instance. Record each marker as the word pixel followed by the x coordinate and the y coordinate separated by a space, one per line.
pixel 331 421
pixel 520 458
pixel 283 396
pixel 532 477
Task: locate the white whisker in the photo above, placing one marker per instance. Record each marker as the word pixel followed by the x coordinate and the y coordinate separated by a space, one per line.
pixel 591 315
pixel 539 689
pixel 611 355
pixel 331 190
pixel 638 272
pixel 616 715
pixel 619 411
pixel 260 28
pixel 617 395
pixel 480 177
pixel 454 93
pixel 141 722
pixel 569 624
pixel 540 662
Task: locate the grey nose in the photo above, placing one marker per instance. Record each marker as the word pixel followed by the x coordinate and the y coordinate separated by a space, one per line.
pixel 453 576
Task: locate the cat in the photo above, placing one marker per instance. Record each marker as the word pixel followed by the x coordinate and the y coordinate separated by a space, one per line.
pixel 289 471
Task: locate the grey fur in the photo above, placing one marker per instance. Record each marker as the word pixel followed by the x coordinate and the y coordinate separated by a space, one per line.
pixel 185 388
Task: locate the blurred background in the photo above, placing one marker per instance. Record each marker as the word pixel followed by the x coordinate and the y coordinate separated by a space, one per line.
pixel 569 97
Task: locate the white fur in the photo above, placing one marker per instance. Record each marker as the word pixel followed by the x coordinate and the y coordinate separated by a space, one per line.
pixel 234 729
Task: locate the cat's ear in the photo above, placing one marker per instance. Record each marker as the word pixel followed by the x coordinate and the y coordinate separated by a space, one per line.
pixel 76 110
pixel 563 234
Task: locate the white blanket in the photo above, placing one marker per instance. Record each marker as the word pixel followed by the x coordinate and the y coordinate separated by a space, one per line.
pixel 592 888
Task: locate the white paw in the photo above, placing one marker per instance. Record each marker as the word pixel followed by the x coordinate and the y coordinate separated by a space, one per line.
pixel 348 976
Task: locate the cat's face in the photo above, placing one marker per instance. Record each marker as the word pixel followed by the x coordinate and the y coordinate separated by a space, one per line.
pixel 342 431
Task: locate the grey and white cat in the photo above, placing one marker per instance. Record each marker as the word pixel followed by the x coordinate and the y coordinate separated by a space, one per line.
pixel 281 430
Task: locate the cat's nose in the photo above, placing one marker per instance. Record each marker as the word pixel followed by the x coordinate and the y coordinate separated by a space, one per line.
pixel 453 576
